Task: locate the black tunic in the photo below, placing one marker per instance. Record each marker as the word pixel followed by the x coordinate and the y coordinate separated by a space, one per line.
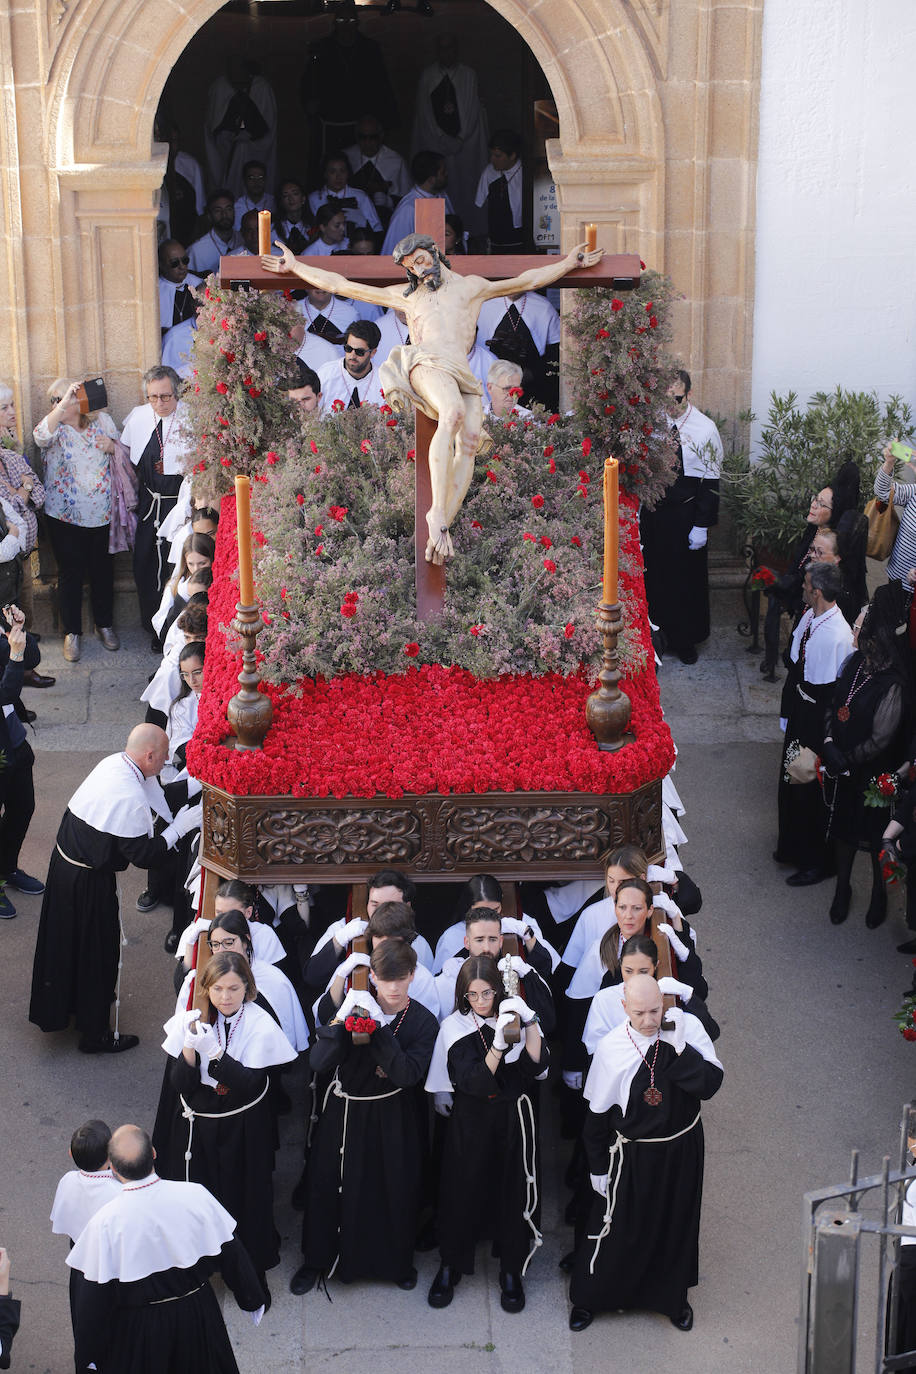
pixel 483 1190
pixel 871 741
pixel 677 584
pixel 649 1258
pixel 367 1159
pixel 132 1328
pixel 76 953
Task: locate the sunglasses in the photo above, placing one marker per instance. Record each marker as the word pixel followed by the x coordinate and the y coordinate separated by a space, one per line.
pixel 179 262
pixel 360 352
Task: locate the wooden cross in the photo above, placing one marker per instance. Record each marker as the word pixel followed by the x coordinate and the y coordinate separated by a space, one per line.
pixel 620 271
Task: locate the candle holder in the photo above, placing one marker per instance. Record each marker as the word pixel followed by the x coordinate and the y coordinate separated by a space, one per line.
pixel 607 711
pixel 249 712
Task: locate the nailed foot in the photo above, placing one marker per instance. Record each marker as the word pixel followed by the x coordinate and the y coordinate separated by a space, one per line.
pixel 439 546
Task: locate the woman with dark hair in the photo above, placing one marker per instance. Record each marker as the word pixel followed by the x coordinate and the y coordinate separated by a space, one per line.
pixel 220 1070
pixel 638 955
pixel 197 554
pixel 489 1181
pixel 866 732
pixel 365 1167
pixel 834 506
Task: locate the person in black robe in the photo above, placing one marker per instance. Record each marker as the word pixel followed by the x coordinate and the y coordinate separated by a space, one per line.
pixel 865 736
pixel 9 1311
pixel 145 1305
pixel 220 1072
pixel 108 824
pixel 643 1137
pixel 489 1184
pixel 366 1163
pixel 674 534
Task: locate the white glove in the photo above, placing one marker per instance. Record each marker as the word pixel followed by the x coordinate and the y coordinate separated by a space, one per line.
pixel 521 1009
pixel 351 931
pixel 190 935
pixel 206 1042
pixel 362 1001
pixel 676 988
pixel 677 1036
pixel 190 1038
pixel 189 818
pixel 195 787
pixel 369 1005
pixel 511 925
pixel 518 963
pixel 599 1183
pixel 256 1316
pixel 499 1039
pixel 697 537
pixel 677 946
pixel 666 903
pixel 442 1104
pixel 573 1080
pixel 350 963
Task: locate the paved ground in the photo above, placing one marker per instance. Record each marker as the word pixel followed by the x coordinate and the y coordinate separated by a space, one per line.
pixel 814 1067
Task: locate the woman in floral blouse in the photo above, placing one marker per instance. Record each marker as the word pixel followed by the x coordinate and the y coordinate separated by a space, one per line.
pixel 21 489
pixel 77 451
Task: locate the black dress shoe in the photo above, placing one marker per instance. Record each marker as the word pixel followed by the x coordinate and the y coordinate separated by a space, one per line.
pixel 839 907
pixel 32 678
pixel 147 901
pixel 567 1262
pixel 443 1287
pixel 806 877
pixel 170 943
pixel 108 1044
pixel 408 1282
pixel 685 1321
pixel 27 715
pixel 688 655
pixel 580 1318
pixel 512 1294
pixel 877 909
pixel 304 1280
pixel 908 946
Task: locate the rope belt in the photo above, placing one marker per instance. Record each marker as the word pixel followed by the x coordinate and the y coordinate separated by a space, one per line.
pixel 335 1088
pixel 804 695
pixel 155 514
pixel 615 1166
pixel 191 1116
pixel 75 862
pixel 179 1297
pixel 529 1148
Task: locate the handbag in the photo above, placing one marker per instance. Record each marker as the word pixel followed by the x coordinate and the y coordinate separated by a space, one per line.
pixel 883 523
pixel 803 767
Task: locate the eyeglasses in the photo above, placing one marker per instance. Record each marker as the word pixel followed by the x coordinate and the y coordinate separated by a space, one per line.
pixel 180 262
pixel 360 352
pixel 216 945
pixel 160 395
pixel 821 505
pixel 481 996
pixel 193 676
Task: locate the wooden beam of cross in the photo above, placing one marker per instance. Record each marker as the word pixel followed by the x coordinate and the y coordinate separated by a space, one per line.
pixel 620 271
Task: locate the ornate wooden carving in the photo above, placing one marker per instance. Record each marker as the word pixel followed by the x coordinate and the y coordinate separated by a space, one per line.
pixel 533 835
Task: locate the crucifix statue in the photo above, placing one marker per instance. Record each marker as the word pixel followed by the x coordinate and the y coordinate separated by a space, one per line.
pixel 441 302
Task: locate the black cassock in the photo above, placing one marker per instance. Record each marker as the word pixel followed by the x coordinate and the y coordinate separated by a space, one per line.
pixel 361 1205
pixel 649 1258
pixel 483 1192
pixel 76 953
pixel 158 494
pixel 233 1154
pixel 166 1323
pixel 677 583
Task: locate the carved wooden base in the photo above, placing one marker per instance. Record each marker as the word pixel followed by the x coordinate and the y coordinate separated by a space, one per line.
pixel 540 836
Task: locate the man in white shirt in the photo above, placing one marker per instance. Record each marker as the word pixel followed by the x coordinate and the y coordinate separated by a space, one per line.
pixel 256 195
pixel 294 225
pixel 375 168
pixel 354 381
pixel 221 240
pixel 430 181
pixel 326 315
pixel 356 205
pixel 500 190
pixel 176 302
pixel 450 118
pixel 157 436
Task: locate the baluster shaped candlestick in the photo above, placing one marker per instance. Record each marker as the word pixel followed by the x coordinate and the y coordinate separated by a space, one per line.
pixel 607 711
pixel 249 712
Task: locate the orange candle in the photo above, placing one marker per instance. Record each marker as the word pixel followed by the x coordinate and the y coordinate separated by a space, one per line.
pixel 611 523
pixel 243 528
pixel 591 237
pixel 264 231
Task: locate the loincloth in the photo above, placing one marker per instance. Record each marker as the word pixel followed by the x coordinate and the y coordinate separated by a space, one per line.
pixel 394 376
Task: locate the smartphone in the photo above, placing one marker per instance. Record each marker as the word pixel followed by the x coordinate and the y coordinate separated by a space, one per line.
pixel 902 452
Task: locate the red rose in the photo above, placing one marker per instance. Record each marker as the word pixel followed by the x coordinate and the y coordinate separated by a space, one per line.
pixel 365 446
pixel 222 388
pixel 616 304
pixel 348 610
pixel 552 419
pixel 351 598
pixel 586 447
pixel 316 469
pixel 582 490
pixel 313 446
pixel 319 530
pixel 319 551
pixel 537 501
pixel 577 541
pixel 546 541
pixel 548 451
pixel 529 536
pixel 260 336
pixel 411 650
pixel 254 392
pixel 411 454
pixel 550 565
pixel 584 477
pixel 602 334
pixel 385 410
pixel 569 631
pixel 475 630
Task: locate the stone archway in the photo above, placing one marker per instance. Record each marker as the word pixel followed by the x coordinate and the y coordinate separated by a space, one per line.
pixel 647 138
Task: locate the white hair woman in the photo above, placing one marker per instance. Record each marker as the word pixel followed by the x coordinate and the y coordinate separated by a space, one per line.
pixel 78 451
pixel 504 379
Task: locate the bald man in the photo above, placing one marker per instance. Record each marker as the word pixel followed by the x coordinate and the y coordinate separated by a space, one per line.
pixel 109 823
pixel 643 1138
pixel 145 1258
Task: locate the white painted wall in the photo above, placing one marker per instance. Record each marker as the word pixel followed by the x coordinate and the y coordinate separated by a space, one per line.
pixel 836 199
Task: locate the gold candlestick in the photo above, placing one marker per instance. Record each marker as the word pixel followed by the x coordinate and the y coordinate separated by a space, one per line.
pixel 249 712
pixel 607 711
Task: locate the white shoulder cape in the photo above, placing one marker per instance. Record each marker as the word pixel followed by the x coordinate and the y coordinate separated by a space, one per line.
pixel 117 800
pixel 617 1060
pixel 78 1197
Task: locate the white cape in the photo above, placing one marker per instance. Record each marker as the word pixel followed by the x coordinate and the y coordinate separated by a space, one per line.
pixel 255 1040
pixel 117 800
pixel 78 1197
pixel 617 1060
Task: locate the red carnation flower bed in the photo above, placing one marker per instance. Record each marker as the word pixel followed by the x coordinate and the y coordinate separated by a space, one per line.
pixel 429 729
